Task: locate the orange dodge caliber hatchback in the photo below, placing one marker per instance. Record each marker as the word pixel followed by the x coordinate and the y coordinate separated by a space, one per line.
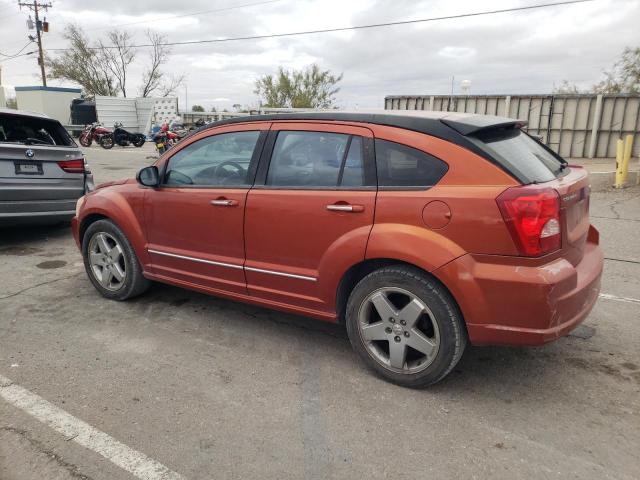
pixel 421 231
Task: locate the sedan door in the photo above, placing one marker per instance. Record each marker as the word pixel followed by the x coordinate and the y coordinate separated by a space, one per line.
pixel 309 214
pixel 194 220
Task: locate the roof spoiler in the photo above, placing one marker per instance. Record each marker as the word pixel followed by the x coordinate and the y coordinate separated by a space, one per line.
pixel 470 124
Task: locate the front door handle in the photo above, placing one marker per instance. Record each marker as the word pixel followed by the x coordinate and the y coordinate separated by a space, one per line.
pixel 224 202
pixel 345 207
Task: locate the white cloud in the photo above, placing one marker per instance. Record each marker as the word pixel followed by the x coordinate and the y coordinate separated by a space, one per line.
pixel 456 52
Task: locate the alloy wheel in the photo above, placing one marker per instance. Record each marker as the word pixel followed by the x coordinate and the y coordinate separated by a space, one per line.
pixel 107 261
pixel 398 330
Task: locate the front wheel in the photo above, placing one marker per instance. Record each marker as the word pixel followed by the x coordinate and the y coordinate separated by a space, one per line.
pixel 111 263
pixel 107 142
pixel 85 140
pixel 405 326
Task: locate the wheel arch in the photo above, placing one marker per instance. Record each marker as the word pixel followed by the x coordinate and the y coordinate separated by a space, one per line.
pixel 116 207
pixel 361 269
pixel 86 223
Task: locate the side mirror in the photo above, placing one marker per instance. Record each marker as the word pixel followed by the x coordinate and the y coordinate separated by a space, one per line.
pixel 148 176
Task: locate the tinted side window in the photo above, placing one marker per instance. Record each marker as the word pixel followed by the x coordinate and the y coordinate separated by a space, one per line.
pixel 402 166
pixel 316 159
pixel 219 160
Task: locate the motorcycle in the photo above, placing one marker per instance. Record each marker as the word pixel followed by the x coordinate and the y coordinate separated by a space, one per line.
pixel 165 139
pixel 198 124
pixel 91 133
pixel 121 137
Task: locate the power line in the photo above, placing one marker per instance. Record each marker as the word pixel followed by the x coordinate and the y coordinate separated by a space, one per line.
pixel 19 51
pixel 18 56
pixel 202 12
pixel 357 27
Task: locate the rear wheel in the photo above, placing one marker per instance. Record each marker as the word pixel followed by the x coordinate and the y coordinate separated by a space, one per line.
pixel 139 141
pixel 405 326
pixel 110 262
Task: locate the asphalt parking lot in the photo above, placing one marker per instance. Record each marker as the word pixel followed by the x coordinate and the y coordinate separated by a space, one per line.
pixel 175 384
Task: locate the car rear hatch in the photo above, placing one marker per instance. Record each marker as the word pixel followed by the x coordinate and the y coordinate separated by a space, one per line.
pixel 41 168
pixel 540 170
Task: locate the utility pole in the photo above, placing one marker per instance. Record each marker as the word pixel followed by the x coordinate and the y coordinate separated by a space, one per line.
pixel 39 27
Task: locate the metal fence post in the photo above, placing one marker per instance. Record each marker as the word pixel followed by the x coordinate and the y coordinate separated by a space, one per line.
pixel 595 126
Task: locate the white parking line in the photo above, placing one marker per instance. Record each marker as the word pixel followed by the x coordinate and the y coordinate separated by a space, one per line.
pixel 608 296
pixel 134 462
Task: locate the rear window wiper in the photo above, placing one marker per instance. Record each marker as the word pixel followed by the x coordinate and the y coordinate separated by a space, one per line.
pixel 33 141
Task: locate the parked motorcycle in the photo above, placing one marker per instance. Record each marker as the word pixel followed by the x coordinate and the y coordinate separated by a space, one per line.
pixel 165 139
pixel 91 133
pixel 121 137
pixel 198 123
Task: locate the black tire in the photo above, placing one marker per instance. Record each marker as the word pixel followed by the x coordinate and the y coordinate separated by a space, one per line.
pixel 134 283
pixel 452 332
pixel 86 140
pixel 107 142
pixel 139 141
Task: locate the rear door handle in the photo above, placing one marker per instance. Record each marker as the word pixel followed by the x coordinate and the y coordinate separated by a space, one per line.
pixel 224 202
pixel 344 207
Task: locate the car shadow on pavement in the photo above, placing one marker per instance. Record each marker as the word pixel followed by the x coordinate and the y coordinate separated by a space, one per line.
pixel 15 236
pixel 481 369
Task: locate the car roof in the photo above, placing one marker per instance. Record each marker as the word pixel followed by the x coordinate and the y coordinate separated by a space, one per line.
pixel 438 124
pixel 23 113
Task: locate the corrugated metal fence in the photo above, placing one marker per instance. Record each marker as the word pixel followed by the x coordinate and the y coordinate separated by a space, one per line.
pixel 575 126
pixel 136 114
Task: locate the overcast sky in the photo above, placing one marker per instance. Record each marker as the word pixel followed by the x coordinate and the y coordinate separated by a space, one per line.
pixel 508 53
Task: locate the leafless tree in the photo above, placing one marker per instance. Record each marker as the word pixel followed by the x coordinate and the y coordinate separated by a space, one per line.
pixel 153 77
pixel 170 86
pixel 118 54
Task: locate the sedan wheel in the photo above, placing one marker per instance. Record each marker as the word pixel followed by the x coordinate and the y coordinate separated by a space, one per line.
pixel 398 330
pixel 107 261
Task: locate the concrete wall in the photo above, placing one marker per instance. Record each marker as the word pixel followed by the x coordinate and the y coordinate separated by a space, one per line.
pixel 52 101
pixel 575 126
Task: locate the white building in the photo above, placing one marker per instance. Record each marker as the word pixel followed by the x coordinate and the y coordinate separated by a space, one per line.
pixel 52 101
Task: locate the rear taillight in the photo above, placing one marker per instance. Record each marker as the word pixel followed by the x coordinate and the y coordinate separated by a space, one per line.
pixel 532 215
pixel 72 166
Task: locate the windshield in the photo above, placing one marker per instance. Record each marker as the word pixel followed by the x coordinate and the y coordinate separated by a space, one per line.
pixel 33 131
pixel 521 154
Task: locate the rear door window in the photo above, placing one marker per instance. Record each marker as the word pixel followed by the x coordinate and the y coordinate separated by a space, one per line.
pixel 403 167
pixel 520 154
pixel 303 159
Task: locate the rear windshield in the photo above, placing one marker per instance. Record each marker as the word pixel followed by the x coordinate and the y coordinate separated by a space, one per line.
pixel 33 131
pixel 520 154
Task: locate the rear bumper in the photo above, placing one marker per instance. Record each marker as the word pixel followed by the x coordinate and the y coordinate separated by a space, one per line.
pixel 507 303
pixel 37 211
pixel 24 203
